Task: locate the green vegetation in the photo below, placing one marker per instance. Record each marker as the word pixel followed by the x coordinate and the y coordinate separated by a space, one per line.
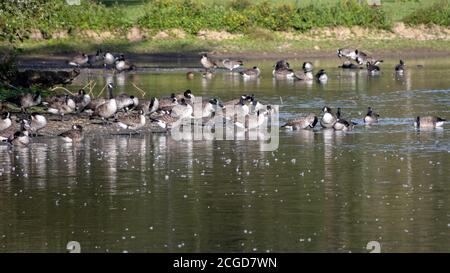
pixel 437 14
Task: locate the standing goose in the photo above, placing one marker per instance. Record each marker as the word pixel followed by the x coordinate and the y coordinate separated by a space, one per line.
pixel 132 121
pixel 38 122
pixel 371 117
pixel 429 122
pixel 232 64
pixel 251 73
pixel 123 65
pixel 5 121
pixel 302 123
pixel 73 135
pixel 328 118
pixel 25 101
pixel 239 109
pixel 342 124
pixel 79 60
pixel 207 63
pixel 108 108
pixel 321 76
pixel 82 99
pixel 400 68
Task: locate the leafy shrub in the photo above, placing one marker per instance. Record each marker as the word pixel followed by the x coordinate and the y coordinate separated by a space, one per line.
pixel 438 14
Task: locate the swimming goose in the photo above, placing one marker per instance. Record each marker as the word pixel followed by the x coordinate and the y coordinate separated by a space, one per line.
pixel 283 73
pixel 95 58
pixel 251 73
pixel 79 60
pixel 342 124
pixel 73 135
pixel 328 118
pixel 321 76
pixel 400 68
pixel 282 64
pixel 21 137
pixel 207 63
pixel 232 64
pixel 132 121
pixel 5 121
pixel 373 68
pixel 182 110
pixel 208 75
pixel 429 122
pixel 363 58
pixel 190 75
pixel 347 53
pixel 61 107
pixel 108 59
pixel 371 117
pixel 306 74
pixel 123 65
pixel 82 99
pixel 302 123
pixel 38 122
pixel 349 65
pixel 25 101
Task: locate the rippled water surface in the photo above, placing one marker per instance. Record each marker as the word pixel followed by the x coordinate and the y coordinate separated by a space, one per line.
pixel 319 191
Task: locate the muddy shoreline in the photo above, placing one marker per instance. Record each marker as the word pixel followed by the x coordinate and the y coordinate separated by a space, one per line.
pixel 54 61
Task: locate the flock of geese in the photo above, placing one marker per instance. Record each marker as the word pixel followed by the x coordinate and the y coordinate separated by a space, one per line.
pixel 130 113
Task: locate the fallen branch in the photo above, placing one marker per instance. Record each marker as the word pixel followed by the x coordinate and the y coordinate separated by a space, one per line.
pixel 139 89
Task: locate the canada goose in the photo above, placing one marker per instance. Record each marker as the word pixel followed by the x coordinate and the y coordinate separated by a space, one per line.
pixel 126 102
pixel 363 58
pixel 168 103
pixel 149 106
pixel 302 123
pixel 21 137
pixel 373 68
pixel 182 110
pixel 38 122
pixel 108 59
pixel 307 74
pixel 73 135
pixel 207 63
pixel 190 75
pixel 95 58
pixel 342 124
pixel 108 108
pixel 328 118
pixel 240 109
pixel 132 121
pixel 347 53
pixel 251 121
pixel 349 65
pixel 283 73
pixel 233 102
pixel 251 73
pixel 185 95
pixel 209 107
pixel 400 68
pixel 61 107
pixel 232 64
pixel 371 117
pixel 282 64
pixel 321 76
pixel 99 101
pixel 79 60
pixel 165 121
pixel 25 101
pixel 9 132
pixel 5 121
pixel 82 99
pixel 429 122
pixel 255 105
pixel 123 65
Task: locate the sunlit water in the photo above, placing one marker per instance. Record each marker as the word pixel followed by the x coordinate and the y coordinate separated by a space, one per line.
pixel 319 191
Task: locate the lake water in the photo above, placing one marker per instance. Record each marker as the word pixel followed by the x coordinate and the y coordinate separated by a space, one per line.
pixel 320 191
